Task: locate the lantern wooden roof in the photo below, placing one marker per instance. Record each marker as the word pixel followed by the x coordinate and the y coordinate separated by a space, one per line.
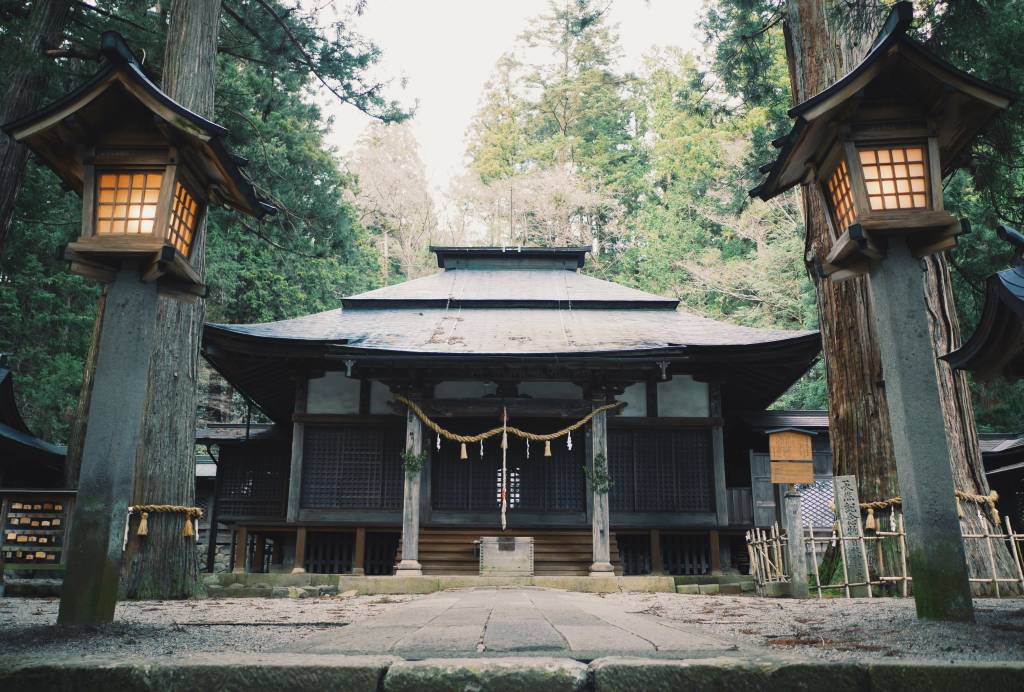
pixel 996 348
pixel 122 94
pixel 897 70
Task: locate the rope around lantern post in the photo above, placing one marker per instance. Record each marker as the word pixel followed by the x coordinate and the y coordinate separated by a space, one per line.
pixel 990 500
pixel 192 514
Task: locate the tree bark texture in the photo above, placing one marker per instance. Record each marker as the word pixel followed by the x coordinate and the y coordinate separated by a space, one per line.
pixel 824 41
pixel 24 94
pixel 165 564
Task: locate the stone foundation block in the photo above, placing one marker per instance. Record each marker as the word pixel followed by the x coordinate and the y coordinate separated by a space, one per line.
pixel 709 589
pixel 660 675
pixel 688 588
pixel 498 674
pixel 242 672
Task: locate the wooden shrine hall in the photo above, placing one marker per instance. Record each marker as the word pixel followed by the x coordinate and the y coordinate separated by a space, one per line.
pixel 351 479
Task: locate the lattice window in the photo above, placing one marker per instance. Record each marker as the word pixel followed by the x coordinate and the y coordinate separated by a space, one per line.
pixel 895 177
pixel 660 470
pixel 841 197
pixel 253 483
pixel 184 217
pixel 815 502
pixel 381 549
pixel 685 554
pixel 537 484
pixel 352 467
pixel 634 553
pixel 126 202
pixel 329 552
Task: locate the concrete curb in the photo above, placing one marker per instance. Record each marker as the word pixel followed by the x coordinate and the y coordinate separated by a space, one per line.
pixel 297 672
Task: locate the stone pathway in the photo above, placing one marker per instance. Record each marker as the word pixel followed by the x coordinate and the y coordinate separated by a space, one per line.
pixel 520 622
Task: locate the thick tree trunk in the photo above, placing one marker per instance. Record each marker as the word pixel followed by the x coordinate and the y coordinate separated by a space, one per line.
pixel 24 94
pixel 824 41
pixel 165 564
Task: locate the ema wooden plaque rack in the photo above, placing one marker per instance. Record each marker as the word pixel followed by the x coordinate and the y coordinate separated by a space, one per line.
pixel 34 532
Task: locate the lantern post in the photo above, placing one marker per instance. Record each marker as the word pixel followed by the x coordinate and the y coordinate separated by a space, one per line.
pixel 148 170
pixel 874 147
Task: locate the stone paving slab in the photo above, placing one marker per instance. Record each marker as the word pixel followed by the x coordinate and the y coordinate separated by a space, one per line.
pixel 298 673
pixel 517 621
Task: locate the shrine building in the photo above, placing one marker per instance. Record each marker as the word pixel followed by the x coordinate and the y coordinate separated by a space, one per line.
pixel 331 488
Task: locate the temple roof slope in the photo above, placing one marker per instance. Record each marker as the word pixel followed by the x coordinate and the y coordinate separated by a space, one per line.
pixel 996 348
pixel 493 305
pixel 486 310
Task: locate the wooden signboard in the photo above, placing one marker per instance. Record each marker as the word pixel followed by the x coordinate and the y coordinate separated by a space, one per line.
pixel 792 459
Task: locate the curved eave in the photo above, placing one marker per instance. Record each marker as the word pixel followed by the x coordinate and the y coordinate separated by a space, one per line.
pixel 994 98
pixel 238 193
pixel 996 348
pixel 263 369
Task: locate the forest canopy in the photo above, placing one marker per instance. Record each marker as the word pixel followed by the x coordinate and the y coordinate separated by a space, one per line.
pixel 650 167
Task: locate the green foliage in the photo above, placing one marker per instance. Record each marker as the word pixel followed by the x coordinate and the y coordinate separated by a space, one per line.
pixel 412 462
pixel 598 477
pixel 302 260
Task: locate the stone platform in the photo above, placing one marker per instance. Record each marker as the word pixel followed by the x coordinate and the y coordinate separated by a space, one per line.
pixel 263 585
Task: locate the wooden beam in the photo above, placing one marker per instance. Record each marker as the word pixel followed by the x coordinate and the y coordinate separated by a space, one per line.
pixel 299 564
pixel 657 560
pixel 298 437
pixel 259 555
pixel 716 552
pixel 718 455
pixel 359 555
pixel 241 548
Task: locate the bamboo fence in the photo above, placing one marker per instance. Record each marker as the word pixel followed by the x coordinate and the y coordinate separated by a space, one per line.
pixel 884 552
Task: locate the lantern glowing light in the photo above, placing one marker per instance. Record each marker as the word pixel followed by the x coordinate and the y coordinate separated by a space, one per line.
pixel 147 169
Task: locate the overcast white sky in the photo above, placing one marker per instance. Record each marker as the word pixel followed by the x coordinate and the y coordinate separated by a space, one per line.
pixel 446 49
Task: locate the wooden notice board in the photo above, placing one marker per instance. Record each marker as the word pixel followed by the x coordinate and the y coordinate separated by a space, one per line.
pixel 792 456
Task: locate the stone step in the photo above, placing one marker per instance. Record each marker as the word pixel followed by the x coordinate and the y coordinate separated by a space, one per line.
pixel 730 589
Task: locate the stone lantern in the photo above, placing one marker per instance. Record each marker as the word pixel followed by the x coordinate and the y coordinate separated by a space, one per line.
pixel 876 145
pixel 147 169
pixel 874 148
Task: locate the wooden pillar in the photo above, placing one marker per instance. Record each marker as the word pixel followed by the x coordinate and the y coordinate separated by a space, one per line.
pixel 600 521
pixel 259 555
pixel 359 556
pixel 718 453
pixel 277 550
pixel 298 429
pixel 410 566
pixel 716 552
pixel 299 565
pixel 657 560
pixel 241 548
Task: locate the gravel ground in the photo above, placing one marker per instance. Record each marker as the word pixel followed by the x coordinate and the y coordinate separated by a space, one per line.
pixel 845 629
pixel 828 629
pixel 144 629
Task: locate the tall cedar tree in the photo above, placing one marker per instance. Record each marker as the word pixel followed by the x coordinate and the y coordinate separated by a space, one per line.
pixel 23 95
pixel 164 564
pixel 823 44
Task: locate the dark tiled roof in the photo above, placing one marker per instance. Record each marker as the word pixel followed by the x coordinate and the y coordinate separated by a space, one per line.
pixel 510 288
pixel 512 330
pixel 770 420
pixel 220 433
pixel 1000 443
pixel 507 305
